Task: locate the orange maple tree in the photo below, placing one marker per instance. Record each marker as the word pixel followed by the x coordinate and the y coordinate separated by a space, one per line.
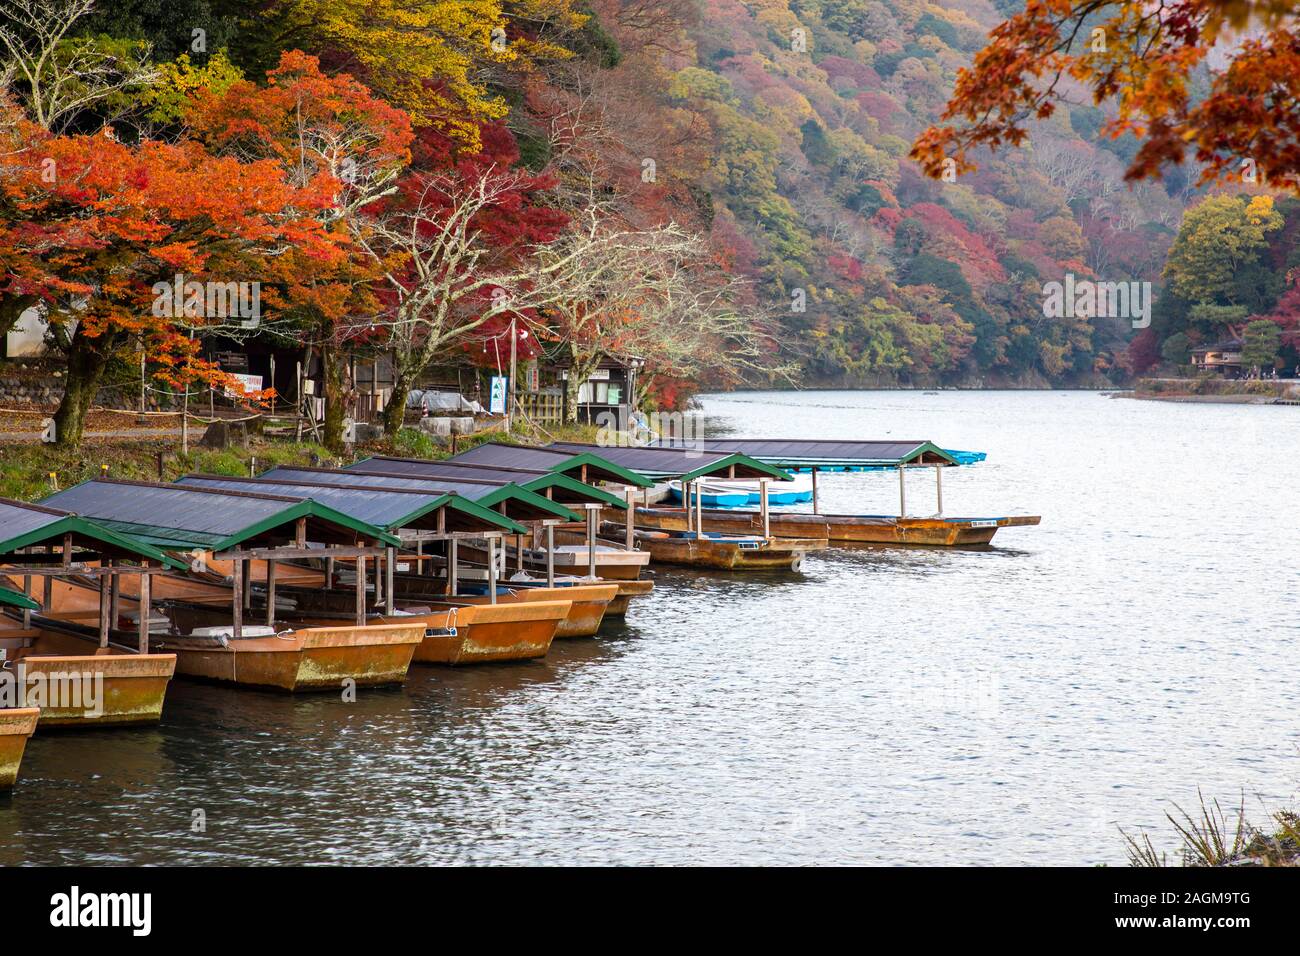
pixel 1142 59
pixel 97 224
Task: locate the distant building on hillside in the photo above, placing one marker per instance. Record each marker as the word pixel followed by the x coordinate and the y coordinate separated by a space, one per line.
pixel 1221 358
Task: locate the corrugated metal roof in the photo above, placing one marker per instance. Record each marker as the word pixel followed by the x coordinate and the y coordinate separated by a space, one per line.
pixel 27 525
pixel 520 504
pixel 562 488
pixel 178 517
pixel 388 508
pixel 795 453
pixel 683 463
pixel 20 517
pixel 589 464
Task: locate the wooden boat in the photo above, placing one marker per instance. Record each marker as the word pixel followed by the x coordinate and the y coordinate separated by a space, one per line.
pixel 128 688
pixel 456 631
pixel 491 633
pixel 866 529
pixel 300 659
pixel 588 600
pixel 191 621
pixel 627 590
pixel 16 725
pixel 725 552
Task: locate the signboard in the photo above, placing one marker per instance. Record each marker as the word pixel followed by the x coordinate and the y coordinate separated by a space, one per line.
pixel 232 361
pixel 248 385
pixel 532 378
pixel 497 399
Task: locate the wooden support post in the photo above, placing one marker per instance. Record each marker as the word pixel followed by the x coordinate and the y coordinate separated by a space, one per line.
pixel 591 540
pixel 103 611
pixel 270 593
pixel 492 569
pixel 419 556
pixel 762 506
pixel 300 533
pixel 902 493
pixel 938 487
pixel 248 583
pixel 390 562
pixel 237 599
pixel 379 580
pixel 329 574
pixel 550 555
pixel 453 569
pixel 361 590
pixel 630 531
pixel 146 606
pixel 27 589
pixel 519 552
pixel 699 510
pixel 115 596
pixel 47 591
pixel 67 549
pixel 688 505
pixel 814 483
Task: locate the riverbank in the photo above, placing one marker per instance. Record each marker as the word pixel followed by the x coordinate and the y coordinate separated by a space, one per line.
pixel 1215 391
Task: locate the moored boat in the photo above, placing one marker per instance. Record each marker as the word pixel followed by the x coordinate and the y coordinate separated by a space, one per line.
pixel 726 552
pixel 16 725
pixel 864 529
pixel 588 600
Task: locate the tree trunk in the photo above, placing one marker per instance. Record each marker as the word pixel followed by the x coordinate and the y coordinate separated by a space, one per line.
pixel 87 358
pixel 571 387
pixel 395 410
pixel 334 377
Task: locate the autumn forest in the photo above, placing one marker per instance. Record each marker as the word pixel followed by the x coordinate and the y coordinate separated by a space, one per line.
pixel 736 193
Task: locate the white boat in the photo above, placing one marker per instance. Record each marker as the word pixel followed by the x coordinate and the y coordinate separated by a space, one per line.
pixel 740 493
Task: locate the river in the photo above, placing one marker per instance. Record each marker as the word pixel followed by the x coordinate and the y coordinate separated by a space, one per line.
pixel 1015 705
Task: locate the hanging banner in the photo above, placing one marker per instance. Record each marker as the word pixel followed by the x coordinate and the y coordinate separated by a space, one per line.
pixel 497 399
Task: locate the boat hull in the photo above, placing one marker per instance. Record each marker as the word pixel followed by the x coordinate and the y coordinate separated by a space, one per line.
pixel 588 602
pixel 862 529
pixel 306 659
pixel 493 633
pixel 627 590
pixel 773 554
pixel 16 726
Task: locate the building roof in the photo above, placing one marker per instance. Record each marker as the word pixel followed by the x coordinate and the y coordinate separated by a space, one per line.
pixel 794 453
pixel 18 599
pixel 585 465
pixel 27 525
pixel 387 508
pixel 561 488
pixel 183 518
pixel 504 497
pixel 685 464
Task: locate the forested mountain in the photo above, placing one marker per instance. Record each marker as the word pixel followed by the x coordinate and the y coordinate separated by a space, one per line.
pixel 812 106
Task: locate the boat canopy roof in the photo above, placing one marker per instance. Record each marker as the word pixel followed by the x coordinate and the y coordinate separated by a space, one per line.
pixel 29 525
pixel 685 464
pixel 562 488
pixel 506 498
pixel 587 464
pixel 17 599
pixel 186 518
pixel 794 453
pixel 387 508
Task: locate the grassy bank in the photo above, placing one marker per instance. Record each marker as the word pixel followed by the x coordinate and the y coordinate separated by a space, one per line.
pixel 1215 389
pixel 31 471
pixel 1213 837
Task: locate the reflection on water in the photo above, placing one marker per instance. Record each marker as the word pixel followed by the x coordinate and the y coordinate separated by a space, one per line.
pixel 1012 704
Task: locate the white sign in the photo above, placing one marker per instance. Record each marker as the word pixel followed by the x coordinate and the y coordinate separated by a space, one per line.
pixel 497 400
pixel 248 385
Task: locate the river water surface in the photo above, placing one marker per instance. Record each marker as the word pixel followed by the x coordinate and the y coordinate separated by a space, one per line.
pixel 886 706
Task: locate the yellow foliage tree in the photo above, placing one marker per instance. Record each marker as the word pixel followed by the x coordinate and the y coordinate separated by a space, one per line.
pixel 432 57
